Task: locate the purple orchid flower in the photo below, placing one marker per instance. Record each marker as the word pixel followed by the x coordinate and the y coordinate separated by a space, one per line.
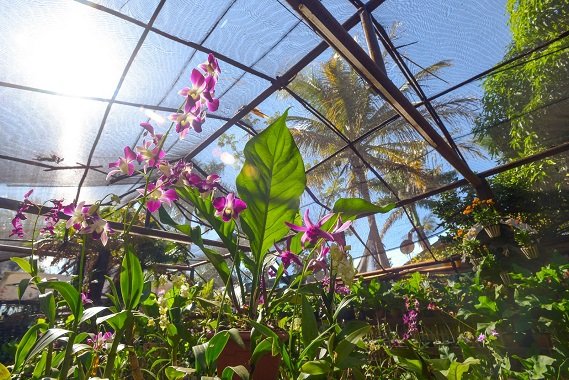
pixel 18 229
pixel 150 154
pixel 204 186
pixel 193 94
pixel 85 300
pixel 188 120
pixel 211 66
pixel 208 95
pixel 124 164
pixel 339 232
pixel 312 232
pixel 481 338
pixel 319 263
pixel 98 341
pixel 77 215
pixel 287 256
pixel 228 207
pixel 99 228
pixel 156 195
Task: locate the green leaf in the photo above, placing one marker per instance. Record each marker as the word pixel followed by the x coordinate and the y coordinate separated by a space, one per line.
pixel 309 324
pixel 264 347
pixel 26 344
pixel 457 369
pixel 236 336
pixel 343 303
pixel 239 370
pixel 116 320
pixel 71 296
pixel 24 264
pixel 4 373
pixel 316 367
pixel 177 373
pixel 352 336
pixel 91 312
pixel 46 340
pixel 264 330
pixel 357 206
pixel 215 346
pixel 22 286
pixel 271 183
pixel 47 305
pixel 199 353
pixel 216 259
pixel 131 279
pixel 485 303
pixel 39 366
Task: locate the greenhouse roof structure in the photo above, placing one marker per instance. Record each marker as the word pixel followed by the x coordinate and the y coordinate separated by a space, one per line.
pixel 77 77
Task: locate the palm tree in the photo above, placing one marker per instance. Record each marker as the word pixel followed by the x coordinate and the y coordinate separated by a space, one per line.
pixel 345 99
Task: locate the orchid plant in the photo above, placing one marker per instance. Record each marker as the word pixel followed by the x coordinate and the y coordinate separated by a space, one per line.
pixel 265 210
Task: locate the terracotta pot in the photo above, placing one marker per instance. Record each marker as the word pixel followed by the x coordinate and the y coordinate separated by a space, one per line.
pixel 266 368
pixel 493 231
pixel 531 251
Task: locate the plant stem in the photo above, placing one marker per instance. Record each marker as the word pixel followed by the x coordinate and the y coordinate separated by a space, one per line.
pixel 69 348
pixel 112 355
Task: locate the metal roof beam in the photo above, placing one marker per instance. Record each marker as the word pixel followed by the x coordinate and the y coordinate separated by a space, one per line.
pixel 337 37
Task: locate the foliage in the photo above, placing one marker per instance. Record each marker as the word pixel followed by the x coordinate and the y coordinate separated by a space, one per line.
pixel 524 103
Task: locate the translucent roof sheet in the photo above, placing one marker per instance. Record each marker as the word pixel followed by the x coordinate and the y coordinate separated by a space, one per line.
pixel 60 72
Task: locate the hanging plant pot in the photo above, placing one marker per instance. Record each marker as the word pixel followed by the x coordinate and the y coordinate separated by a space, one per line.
pixel 506 279
pixel 531 251
pixel 493 231
pixel 266 368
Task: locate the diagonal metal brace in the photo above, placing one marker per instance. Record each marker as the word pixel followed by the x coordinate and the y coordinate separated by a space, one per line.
pixel 321 20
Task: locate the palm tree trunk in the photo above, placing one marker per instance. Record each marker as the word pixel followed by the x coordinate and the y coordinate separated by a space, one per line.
pixel 374 242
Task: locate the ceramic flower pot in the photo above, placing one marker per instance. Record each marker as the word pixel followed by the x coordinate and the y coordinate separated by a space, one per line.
pixel 493 231
pixel 266 368
pixel 531 251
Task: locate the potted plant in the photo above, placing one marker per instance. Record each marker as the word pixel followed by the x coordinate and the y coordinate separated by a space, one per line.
pixel 526 237
pixel 484 213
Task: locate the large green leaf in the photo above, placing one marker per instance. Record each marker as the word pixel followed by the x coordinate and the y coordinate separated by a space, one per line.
pixel 357 206
pixel 131 279
pixel 271 183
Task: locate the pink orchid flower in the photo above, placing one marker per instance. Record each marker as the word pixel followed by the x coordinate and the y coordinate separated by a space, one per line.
pixel 319 263
pixel 211 66
pixel 124 164
pixel 156 195
pixel 228 207
pixel 287 256
pixel 312 232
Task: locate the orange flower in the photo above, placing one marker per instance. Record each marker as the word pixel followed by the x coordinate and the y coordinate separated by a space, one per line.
pixel 459 233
